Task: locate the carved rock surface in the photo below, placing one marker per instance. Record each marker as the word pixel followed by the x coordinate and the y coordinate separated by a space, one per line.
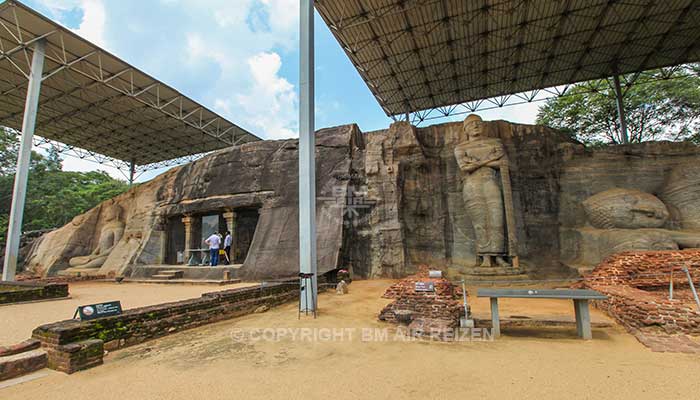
pixel 261 175
pixel 682 195
pixel 658 180
pixel 625 208
pixel 390 200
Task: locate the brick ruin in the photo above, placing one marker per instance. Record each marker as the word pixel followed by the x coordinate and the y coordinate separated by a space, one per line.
pixel 75 345
pixel 637 284
pixel 427 313
pixel 20 292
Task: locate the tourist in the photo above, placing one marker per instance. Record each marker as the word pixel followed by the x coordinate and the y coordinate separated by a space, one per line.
pixel 227 246
pixel 214 242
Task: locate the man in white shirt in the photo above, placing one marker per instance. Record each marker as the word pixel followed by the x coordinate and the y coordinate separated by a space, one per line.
pixel 228 240
pixel 214 242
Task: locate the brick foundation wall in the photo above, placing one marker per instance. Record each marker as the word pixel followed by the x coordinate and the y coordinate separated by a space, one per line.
pixel 409 305
pixel 17 365
pixel 72 345
pixel 647 269
pixel 74 357
pixel 27 345
pixel 59 279
pixel 17 292
pixel 637 287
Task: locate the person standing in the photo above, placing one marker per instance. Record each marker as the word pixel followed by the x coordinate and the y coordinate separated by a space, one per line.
pixel 228 240
pixel 214 242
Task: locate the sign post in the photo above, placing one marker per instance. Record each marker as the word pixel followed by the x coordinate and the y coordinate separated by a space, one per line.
pixel 99 310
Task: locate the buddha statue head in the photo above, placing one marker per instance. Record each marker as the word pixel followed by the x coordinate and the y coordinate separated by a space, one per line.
pixel 626 209
pixel 474 127
pixel 112 211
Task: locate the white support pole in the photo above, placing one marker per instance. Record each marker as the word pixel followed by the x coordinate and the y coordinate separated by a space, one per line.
pixel 307 158
pixel 620 109
pixel 14 231
pixel 132 171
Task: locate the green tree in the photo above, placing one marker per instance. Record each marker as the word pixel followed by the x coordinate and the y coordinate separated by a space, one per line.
pixel 658 106
pixel 9 147
pixel 54 196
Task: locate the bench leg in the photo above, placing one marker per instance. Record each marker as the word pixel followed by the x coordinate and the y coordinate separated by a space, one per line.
pixel 495 322
pixel 583 319
pixel 577 311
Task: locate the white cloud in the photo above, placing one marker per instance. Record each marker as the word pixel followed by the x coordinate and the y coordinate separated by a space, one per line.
pixel 524 113
pixel 226 54
pixel 283 15
pixel 93 24
pixel 271 103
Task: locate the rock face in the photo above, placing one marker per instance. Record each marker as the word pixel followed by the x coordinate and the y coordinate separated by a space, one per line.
pixel 419 216
pixel 390 200
pixel 260 176
pixel 625 208
pixel 629 197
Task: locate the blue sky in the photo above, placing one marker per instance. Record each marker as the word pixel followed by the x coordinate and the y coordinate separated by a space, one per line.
pixel 238 57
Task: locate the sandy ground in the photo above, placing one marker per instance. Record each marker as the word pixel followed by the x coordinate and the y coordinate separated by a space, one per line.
pixel 213 362
pixel 18 321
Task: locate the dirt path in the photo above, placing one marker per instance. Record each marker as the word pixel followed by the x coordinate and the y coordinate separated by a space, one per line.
pixel 17 321
pixel 212 363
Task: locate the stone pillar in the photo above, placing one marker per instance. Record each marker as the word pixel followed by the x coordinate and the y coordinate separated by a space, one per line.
pixel 230 217
pixel 188 221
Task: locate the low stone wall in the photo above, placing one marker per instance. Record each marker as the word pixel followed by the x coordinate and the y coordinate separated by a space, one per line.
pixel 27 345
pixel 74 345
pixel 637 287
pixel 59 279
pixel 18 292
pixel 16 365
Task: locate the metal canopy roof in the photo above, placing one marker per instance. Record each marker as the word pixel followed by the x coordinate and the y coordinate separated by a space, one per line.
pixel 418 55
pixel 92 100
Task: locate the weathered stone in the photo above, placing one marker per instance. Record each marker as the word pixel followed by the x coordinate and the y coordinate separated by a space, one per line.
pixel 418 307
pixel 259 175
pixel 637 286
pixel 625 208
pixel 263 308
pixel 15 365
pixel 341 288
pixel 110 234
pixel 391 200
pixel 480 159
pixel 18 292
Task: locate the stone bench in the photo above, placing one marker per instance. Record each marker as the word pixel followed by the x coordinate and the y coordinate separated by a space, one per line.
pixel 579 296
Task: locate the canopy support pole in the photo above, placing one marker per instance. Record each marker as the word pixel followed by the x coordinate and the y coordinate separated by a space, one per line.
pixel 132 171
pixel 620 109
pixel 307 161
pixel 19 194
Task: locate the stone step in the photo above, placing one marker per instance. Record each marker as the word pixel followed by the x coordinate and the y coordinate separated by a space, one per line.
pixel 164 276
pixel 170 271
pixel 22 363
pixel 184 281
pixel 173 274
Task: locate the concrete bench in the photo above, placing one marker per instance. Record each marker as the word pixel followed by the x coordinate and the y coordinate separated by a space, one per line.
pixel 579 296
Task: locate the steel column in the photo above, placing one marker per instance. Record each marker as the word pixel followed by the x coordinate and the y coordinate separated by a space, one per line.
pixel 307 157
pixel 132 172
pixel 14 231
pixel 620 109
